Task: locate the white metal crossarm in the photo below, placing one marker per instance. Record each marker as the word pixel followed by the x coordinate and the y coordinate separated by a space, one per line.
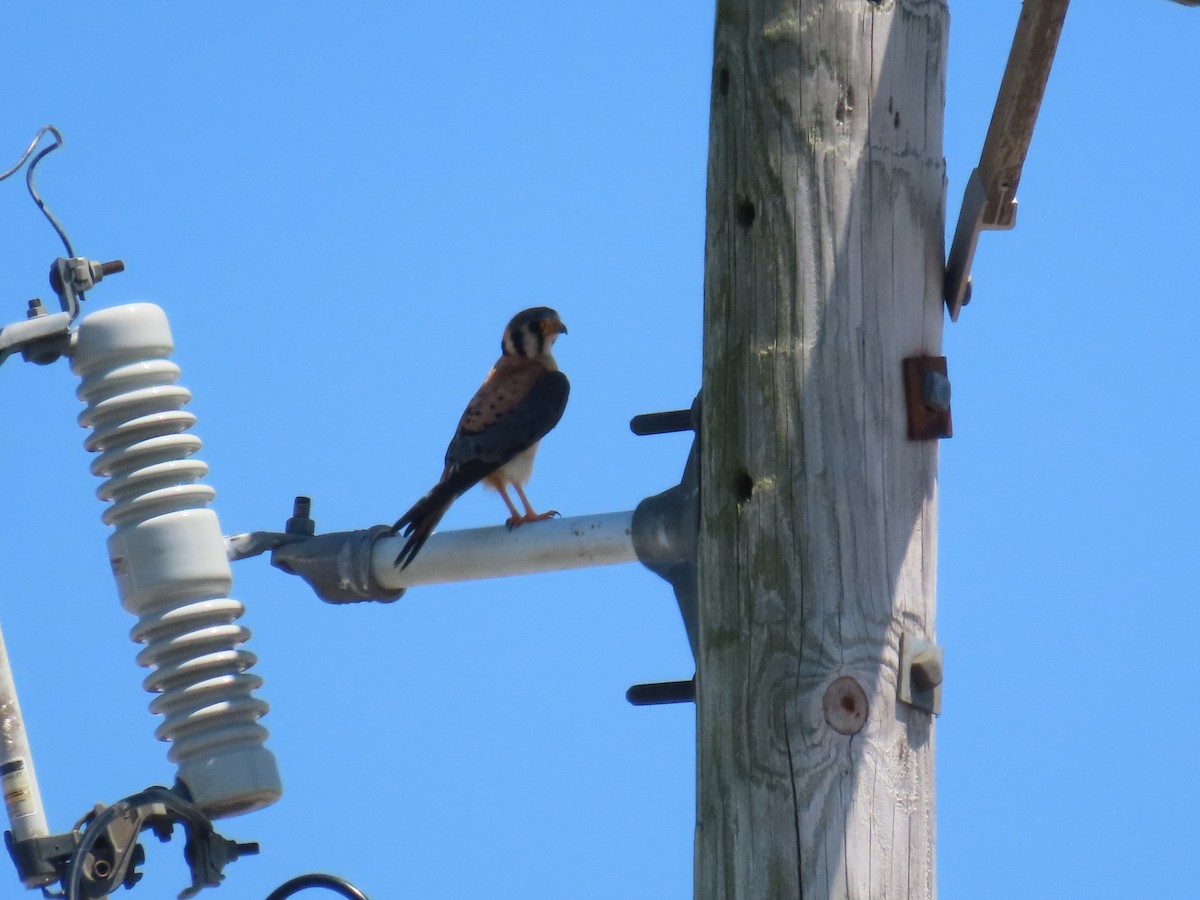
pixel 352 566
pixel 548 546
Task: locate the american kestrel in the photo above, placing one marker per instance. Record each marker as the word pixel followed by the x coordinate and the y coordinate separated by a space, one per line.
pixel 521 399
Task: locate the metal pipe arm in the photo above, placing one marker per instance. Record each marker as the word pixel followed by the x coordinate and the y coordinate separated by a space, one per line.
pixel 351 566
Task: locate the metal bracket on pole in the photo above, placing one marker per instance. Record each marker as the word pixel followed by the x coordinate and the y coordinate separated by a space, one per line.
pixel 666 527
pixel 666 530
pixel 662 533
pixel 990 200
pixel 927 398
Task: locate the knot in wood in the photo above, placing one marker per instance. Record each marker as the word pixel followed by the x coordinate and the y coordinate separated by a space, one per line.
pixel 845 705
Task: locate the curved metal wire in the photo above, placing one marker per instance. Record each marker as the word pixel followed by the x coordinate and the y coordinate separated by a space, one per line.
pixel 24 156
pixel 317 879
pixel 41 204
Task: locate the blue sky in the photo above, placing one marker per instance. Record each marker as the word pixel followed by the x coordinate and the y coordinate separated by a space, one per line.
pixel 339 211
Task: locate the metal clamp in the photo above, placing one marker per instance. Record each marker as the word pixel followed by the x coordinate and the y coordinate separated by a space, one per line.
pixel 102 853
pixel 69 278
pixel 336 565
pixel 43 337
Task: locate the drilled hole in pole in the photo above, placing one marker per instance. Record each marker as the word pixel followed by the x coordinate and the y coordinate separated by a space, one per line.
pixel 745 212
pixel 743 487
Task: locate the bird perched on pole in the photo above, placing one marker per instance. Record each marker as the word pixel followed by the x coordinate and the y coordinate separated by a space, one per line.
pixel 522 398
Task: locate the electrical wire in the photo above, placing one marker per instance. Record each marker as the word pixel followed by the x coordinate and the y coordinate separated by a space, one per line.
pixel 24 156
pixel 317 879
pixel 41 204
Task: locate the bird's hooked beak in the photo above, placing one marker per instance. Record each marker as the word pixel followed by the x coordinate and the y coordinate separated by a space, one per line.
pixel 553 326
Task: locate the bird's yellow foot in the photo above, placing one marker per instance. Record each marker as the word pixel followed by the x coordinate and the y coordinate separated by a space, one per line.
pixel 515 521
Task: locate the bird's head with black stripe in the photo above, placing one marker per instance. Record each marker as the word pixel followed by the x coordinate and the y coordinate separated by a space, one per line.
pixel 532 332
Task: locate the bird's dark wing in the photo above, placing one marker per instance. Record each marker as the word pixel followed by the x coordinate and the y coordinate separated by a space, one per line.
pixel 517 406
pixel 496 435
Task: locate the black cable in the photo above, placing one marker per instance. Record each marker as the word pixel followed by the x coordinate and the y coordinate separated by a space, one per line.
pixel 317 879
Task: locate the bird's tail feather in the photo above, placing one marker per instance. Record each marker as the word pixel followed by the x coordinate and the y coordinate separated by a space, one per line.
pixel 418 523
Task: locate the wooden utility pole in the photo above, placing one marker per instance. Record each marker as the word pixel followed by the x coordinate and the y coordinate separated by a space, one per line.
pixel 824 271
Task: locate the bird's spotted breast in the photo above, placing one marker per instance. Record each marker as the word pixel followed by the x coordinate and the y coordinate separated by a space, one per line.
pixel 505 387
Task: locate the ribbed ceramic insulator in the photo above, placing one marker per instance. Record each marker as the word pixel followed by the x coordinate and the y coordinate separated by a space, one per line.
pixel 168 556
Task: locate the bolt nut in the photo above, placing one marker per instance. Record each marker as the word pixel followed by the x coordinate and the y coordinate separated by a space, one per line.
pixel 926 670
pixel 935 391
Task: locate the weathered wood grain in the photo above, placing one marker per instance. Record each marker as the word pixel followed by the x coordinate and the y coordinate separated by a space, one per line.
pixel 824 263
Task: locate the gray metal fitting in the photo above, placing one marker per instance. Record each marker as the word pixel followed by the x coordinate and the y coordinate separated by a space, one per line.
pixel 920 681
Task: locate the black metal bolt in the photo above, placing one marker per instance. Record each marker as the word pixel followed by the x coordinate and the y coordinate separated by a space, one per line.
pixel 662 692
pixel 35 309
pixel 301 521
pixel 662 422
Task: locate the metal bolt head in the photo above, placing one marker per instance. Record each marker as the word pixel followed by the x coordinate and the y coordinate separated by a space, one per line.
pixel 927 670
pixel 919 681
pixel 935 391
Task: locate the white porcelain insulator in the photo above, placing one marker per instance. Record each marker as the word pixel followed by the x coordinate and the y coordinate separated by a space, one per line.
pixel 168 556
